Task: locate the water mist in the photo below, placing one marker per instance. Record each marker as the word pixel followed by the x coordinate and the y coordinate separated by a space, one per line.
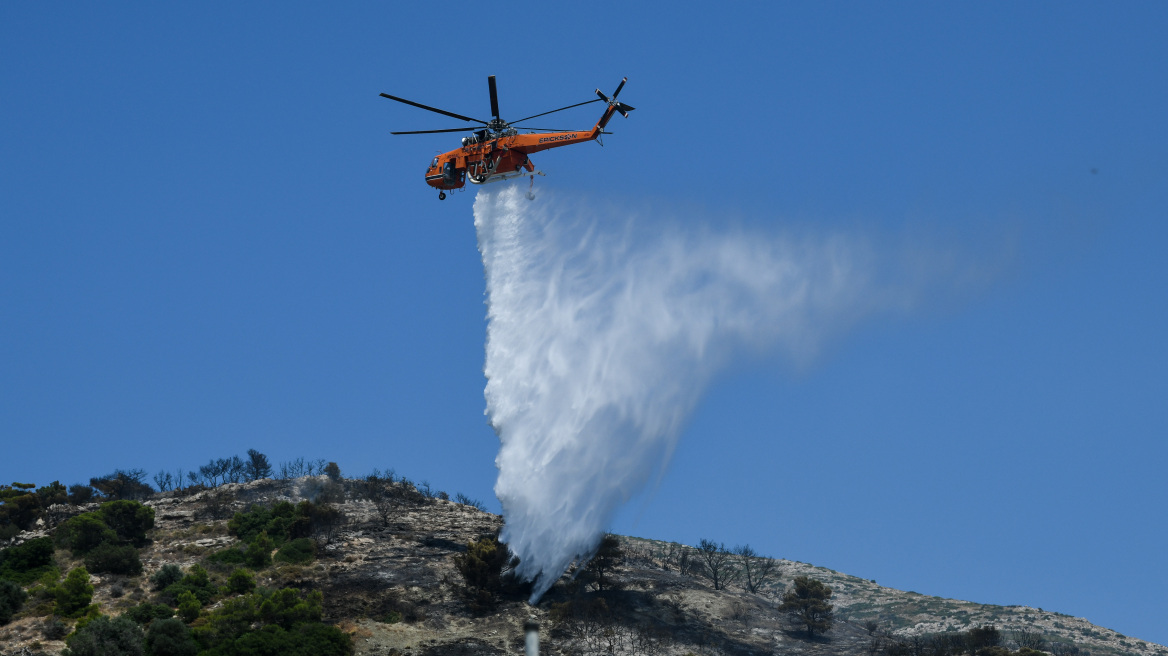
pixel 603 333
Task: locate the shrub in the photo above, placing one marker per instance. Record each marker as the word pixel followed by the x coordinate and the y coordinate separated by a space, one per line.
pixel 298 551
pixel 170 637
pixel 241 581
pixel 188 606
pixel 83 533
pixel 197 582
pixel 259 552
pixel 313 639
pixel 74 594
pixel 12 597
pixel 106 637
pixel 282 522
pixel 482 564
pixel 280 622
pixel 146 612
pixel 26 562
pixel 113 559
pixel 228 557
pixel 54 629
pixel 129 519
pixel 165 576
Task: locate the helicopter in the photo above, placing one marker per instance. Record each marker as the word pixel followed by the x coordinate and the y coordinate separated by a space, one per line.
pixel 496 151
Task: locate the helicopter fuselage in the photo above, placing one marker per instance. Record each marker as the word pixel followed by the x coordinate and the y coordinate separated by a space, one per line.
pixel 485 157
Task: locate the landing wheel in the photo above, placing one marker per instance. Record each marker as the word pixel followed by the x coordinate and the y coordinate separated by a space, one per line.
pixel 442 195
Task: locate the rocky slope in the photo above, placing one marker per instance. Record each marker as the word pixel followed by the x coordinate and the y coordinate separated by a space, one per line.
pixel 395 588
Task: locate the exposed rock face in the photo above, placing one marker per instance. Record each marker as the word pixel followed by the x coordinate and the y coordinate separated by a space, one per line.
pixel 394 585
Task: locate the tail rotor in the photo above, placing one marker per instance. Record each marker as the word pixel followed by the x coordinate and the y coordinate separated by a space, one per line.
pixel 613 102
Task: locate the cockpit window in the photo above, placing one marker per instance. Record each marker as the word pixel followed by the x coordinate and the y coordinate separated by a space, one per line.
pixel 434 163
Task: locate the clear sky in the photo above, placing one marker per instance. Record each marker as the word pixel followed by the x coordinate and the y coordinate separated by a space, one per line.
pixel 209 242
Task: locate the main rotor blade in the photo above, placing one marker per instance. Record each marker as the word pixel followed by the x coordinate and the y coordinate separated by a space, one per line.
pixel 619 87
pixel 437 131
pixel 432 109
pixel 521 127
pixel 494 96
pixel 556 110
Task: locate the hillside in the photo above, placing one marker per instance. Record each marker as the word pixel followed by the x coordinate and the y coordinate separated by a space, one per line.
pixel 388 572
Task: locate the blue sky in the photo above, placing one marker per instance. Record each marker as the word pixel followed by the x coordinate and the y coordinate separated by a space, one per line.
pixel 209 242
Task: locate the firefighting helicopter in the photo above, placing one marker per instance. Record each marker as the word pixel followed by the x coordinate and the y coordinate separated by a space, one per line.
pixel 495 150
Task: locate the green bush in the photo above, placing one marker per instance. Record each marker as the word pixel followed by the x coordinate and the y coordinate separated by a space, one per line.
pixel 270 623
pixel 170 637
pixel 26 562
pixel 482 569
pixel 12 597
pixel 196 581
pixel 113 559
pixel 74 594
pixel 306 640
pixel 228 557
pixel 188 606
pixel 83 533
pixel 259 552
pixel 106 637
pixel 241 581
pixel 275 521
pixel 19 506
pixel 129 519
pixel 146 612
pixel 300 550
pixel 166 575
pixel 53 494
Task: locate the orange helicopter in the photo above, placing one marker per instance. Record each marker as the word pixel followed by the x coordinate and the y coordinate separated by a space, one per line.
pixel 496 151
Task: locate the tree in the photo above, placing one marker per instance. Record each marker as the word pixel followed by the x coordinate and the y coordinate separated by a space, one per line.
pixel 717 562
pixel 806 604
pixel 756 570
pixel 381 492
pixel 257 465
pixel 80 493
pixel 333 471
pixel 1030 640
pixel 170 637
pixel 129 519
pixel 83 533
pixel 241 581
pixel 608 557
pixel 984 637
pixel 188 606
pixel 74 593
pixel 123 484
pixel 105 637
pixel 259 552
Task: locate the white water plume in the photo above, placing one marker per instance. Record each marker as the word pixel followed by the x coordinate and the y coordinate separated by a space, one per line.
pixel 603 333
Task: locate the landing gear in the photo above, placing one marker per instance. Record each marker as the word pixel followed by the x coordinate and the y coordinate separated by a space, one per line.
pixel 442 195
